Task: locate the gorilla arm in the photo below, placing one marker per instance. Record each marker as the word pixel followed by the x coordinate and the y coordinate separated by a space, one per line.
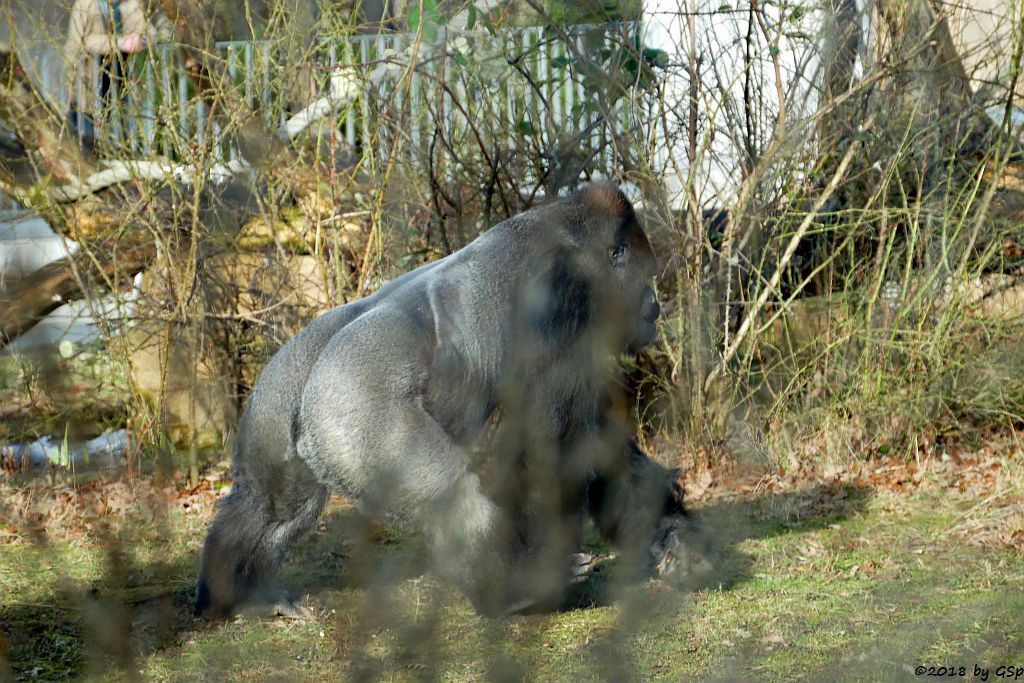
pixel 368 434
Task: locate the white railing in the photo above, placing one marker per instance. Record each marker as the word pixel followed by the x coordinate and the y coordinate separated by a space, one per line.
pixel 544 96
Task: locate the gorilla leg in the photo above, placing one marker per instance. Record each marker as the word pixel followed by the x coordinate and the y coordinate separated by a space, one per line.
pixel 268 509
pixel 473 544
pixel 477 545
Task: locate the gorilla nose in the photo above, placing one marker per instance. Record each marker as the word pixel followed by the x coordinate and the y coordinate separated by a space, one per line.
pixel 653 312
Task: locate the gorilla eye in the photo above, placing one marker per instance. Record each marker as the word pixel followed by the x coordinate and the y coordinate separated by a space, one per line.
pixel 617 254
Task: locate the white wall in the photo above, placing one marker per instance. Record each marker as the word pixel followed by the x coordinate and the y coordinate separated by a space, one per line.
pixel 983 34
pixel 982 31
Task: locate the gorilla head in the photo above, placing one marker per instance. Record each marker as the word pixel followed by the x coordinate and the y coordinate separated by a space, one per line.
pixel 604 280
pixel 634 266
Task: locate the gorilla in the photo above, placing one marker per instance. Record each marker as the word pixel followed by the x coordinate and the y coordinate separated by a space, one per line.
pixel 467 400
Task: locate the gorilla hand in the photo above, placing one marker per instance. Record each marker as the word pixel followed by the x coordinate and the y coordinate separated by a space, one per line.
pixel 638 505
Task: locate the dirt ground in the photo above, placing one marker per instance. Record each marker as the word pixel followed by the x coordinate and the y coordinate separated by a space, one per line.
pixel 882 570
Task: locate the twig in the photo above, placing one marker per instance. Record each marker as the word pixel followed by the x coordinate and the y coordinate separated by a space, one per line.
pixel 787 256
pixel 117 172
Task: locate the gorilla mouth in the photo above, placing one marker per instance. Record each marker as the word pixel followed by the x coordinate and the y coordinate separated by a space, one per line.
pixel 645 334
pixel 646 330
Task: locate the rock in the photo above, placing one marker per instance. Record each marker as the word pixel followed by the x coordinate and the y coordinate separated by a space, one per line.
pixel 192 397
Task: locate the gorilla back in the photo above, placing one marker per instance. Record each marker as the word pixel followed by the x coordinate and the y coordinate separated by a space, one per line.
pixel 389 398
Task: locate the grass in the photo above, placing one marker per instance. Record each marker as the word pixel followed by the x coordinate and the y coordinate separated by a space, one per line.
pixel 817 580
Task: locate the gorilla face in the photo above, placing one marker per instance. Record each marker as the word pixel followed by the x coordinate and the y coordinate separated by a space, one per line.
pixel 600 268
pixel 635 266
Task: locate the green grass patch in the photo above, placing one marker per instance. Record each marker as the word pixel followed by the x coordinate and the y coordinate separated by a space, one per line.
pixel 862 588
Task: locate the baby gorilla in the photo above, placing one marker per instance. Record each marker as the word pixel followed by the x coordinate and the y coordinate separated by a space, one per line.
pixel 388 400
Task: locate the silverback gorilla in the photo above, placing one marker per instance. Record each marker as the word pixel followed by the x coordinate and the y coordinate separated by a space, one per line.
pixel 467 400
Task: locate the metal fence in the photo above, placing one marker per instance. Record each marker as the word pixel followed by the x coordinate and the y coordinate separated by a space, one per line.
pixel 538 84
